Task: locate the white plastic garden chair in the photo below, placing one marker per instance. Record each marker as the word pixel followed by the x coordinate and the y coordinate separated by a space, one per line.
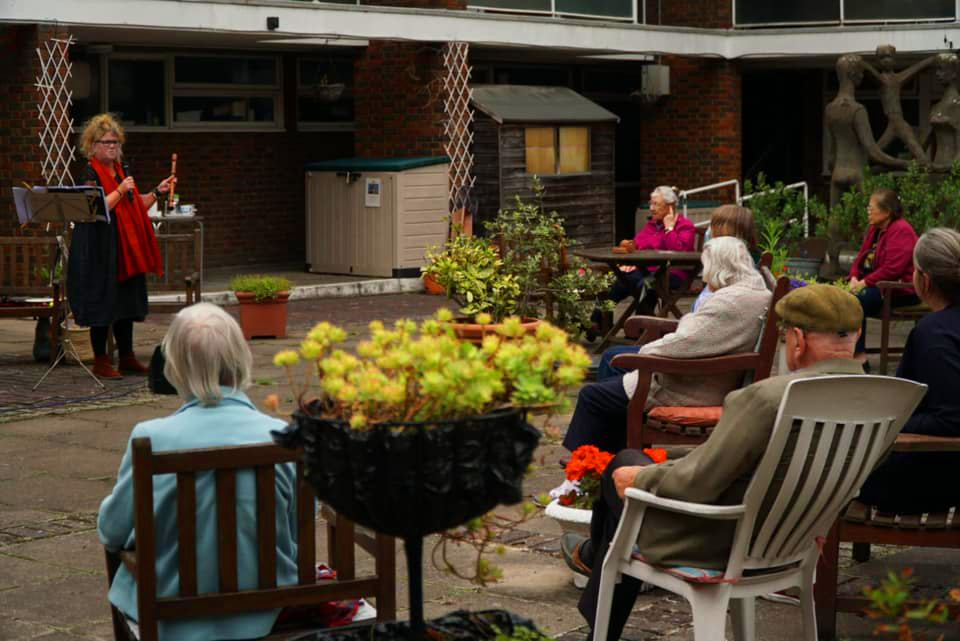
pixel 862 415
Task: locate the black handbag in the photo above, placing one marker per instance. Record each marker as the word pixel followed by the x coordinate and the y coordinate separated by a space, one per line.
pixel 157 382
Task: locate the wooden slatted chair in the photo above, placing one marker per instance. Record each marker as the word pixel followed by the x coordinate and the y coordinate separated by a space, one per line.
pixel 829 434
pixel 863 524
pixel 890 314
pixel 225 463
pixel 666 426
pixel 20 260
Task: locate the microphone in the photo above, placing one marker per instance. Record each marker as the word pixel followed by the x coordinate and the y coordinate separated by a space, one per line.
pixel 126 172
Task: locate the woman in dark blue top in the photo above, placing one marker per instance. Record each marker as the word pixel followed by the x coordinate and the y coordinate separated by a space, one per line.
pixel 912 483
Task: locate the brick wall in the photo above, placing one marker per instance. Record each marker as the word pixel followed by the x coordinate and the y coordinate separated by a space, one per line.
pixel 20 154
pixel 249 187
pixel 399 93
pixel 693 136
pixel 399 100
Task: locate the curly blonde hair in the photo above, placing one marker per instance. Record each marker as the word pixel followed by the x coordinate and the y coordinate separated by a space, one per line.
pixel 96 128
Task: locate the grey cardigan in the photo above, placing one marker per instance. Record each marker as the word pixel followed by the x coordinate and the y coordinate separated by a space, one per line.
pixel 728 322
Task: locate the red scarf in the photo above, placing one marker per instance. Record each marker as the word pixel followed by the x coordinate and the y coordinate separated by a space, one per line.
pixel 137 251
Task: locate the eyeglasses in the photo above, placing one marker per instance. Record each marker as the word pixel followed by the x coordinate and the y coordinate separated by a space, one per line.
pixel 108 143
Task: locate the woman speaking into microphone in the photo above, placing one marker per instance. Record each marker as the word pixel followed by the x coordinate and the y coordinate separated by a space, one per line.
pixel 109 261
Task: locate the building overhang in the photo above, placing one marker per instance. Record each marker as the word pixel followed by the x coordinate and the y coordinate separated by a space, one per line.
pixel 302 24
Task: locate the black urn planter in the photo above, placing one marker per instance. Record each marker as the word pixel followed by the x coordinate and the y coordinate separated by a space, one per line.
pixel 413 479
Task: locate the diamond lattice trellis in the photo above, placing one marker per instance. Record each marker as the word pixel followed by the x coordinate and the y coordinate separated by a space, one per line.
pixel 459 117
pixel 55 99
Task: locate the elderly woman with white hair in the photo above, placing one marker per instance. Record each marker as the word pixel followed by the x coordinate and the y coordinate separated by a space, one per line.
pixel 666 229
pixel 730 321
pixel 209 363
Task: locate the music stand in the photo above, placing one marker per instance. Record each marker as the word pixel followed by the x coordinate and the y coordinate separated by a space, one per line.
pixel 83 204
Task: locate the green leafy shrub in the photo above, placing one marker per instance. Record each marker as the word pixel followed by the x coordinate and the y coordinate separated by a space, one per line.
pixel 890 605
pixel 262 287
pixel 929 200
pixel 554 284
pixel 523 268
pixel 473 275
pixel 776 204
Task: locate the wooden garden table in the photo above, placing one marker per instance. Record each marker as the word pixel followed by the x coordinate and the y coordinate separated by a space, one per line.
pixel 643 259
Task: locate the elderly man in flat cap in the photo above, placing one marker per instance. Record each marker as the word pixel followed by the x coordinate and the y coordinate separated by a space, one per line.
pixel 821 325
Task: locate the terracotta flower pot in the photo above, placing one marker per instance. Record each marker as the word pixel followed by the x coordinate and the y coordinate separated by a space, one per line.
pixel 264 318
pixel 431 286
pixel 474 333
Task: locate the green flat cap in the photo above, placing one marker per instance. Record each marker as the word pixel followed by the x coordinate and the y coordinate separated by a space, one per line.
pixel 821 308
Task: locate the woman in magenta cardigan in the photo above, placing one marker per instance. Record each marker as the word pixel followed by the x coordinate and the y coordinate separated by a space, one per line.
pixel 668 230
pixel 886 254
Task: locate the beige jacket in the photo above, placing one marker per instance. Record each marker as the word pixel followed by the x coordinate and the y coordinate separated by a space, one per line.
pixel 717 472
pixel 729 322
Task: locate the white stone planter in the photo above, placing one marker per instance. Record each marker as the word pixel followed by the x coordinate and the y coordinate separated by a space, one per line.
pixel 571 519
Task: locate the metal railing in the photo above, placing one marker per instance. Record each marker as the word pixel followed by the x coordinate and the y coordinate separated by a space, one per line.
pixel 685 193
pixel 806 202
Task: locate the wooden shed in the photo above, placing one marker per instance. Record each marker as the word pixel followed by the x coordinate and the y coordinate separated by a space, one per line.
pixel 556 134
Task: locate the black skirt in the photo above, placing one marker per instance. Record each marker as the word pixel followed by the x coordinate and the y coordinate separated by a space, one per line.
pixel 96 298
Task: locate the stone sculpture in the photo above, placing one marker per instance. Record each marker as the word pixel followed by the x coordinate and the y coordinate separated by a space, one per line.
pixel 890 83
pixel 944 129
pixel 849 139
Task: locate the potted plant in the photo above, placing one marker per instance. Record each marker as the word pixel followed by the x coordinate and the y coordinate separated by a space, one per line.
pixel 263 304
pixel 472 274
pixel 572 501
pixel 522 268
pixel 421 431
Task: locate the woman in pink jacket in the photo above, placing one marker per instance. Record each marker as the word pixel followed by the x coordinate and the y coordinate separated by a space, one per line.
pixel 886 254
pixel 666 229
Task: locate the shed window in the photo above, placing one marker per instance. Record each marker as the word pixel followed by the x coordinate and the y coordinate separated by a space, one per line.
pixel 557 150
pixel 541 150
pixel 574 150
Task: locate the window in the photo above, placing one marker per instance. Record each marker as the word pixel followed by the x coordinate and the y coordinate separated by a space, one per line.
pixel 574 150
pixel 226 90
pixel 556 151
pixel 541 151
pixel 325 94
pixel 136 91
pixel 164 91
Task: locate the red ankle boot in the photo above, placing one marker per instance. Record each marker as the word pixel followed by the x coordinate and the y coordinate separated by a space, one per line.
pixel 103 369
pixel 130 364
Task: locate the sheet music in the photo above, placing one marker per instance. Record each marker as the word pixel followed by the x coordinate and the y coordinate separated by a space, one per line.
pixel 92 192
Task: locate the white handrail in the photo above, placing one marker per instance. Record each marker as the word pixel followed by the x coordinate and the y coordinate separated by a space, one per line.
pixel 806 202
pixel 696 190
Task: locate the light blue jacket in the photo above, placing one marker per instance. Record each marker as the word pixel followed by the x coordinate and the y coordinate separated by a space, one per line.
pixel 234 421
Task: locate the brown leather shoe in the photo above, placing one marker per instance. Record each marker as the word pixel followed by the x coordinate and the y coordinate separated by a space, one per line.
pixel 130 364
pixel 102 367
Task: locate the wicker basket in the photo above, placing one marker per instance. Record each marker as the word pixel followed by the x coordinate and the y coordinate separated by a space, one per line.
pixel 80 338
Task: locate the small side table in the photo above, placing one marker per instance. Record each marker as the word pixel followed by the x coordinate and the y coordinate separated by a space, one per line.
pixel 172 219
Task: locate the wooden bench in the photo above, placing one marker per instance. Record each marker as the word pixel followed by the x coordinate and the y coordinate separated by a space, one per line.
pixel 864 524
pixel 21 259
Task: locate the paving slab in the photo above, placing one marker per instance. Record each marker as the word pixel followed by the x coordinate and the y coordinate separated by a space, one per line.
pixel 77 553
pixel 74 601
pixel 62 461
pixel 12 629
pixel 49 493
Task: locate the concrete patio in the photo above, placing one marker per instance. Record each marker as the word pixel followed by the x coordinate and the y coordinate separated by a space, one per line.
pixel 56 467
